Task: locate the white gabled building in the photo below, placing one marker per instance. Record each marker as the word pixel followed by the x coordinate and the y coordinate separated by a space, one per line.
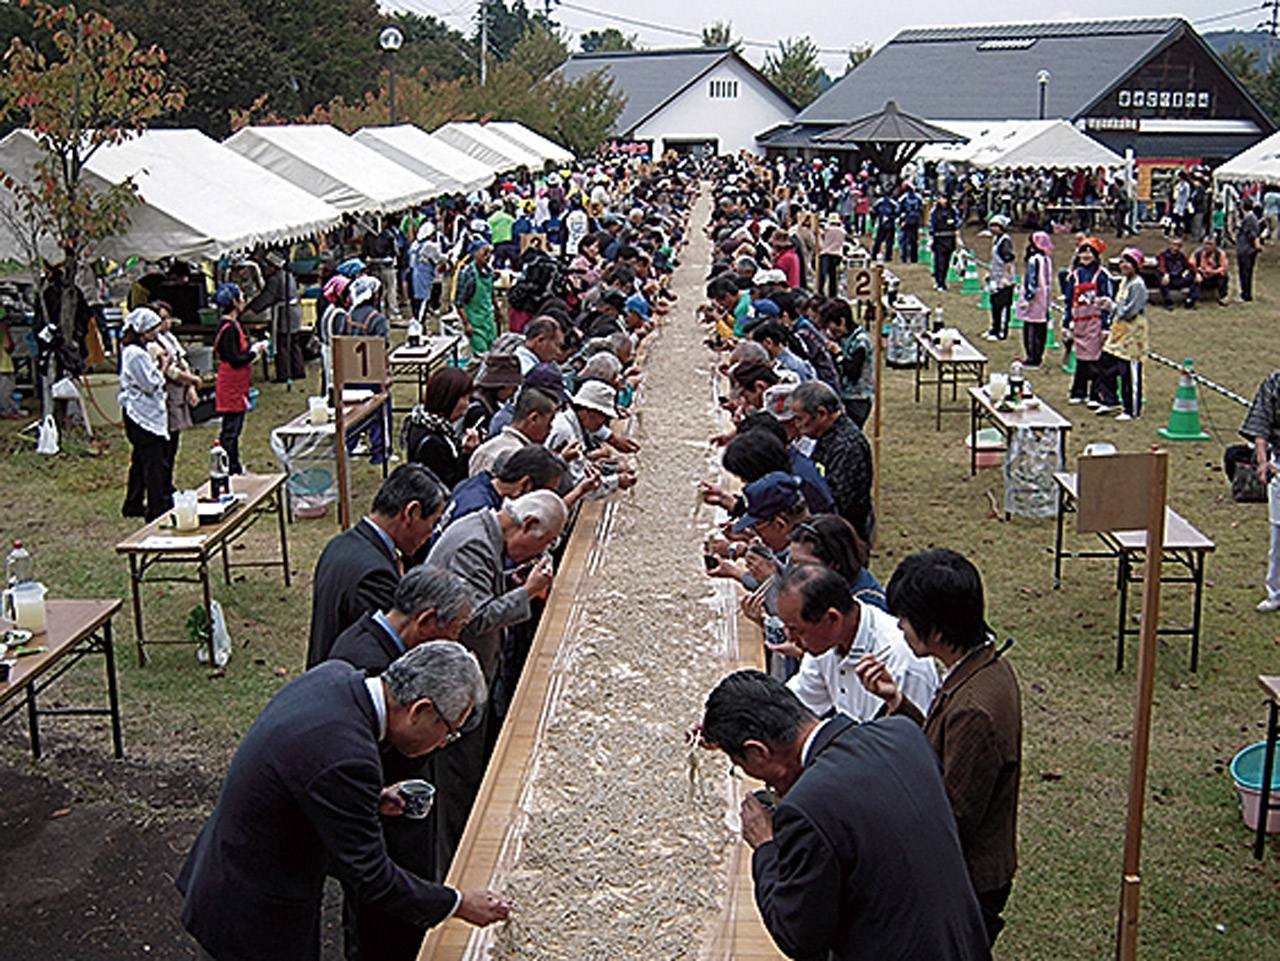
pixel 695 99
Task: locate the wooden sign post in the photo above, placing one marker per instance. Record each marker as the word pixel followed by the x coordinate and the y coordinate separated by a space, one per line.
pixel 356 360
pixel 1127 492
pixel 867 284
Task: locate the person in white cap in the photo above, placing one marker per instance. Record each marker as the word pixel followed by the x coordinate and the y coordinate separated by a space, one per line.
pixel 425 257
pixel 577 433
pixel 146 421
pixel 1000 281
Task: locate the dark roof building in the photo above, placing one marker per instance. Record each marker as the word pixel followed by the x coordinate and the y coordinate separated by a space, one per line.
pixel 1153 85
pixel 704 97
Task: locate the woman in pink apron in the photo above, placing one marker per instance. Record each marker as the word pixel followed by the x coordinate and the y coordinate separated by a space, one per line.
pixel 1033 303
pixel 1085 319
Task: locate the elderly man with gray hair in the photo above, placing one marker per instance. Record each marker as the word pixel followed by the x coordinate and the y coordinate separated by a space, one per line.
pixel 430 604
pixel 499 554
pixel 302 799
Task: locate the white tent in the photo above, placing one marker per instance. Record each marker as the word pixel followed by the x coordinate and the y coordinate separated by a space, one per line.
pixel 451 170
pixel 1259 162
pixel 328 164
pixel 489 148
pixel 522 136
pixel 1004 144
pixel 198 198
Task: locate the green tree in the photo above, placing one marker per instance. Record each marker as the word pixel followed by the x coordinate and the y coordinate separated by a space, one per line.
pixel 720 34
pixel 433 46
pixel 98 87
pixel 582 112
pixel 795 70
pixel 540 51
pixel 611 38
pixel 857 56
pixel 506 25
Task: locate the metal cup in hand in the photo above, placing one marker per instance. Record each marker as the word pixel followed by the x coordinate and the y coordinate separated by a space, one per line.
pixel 417 797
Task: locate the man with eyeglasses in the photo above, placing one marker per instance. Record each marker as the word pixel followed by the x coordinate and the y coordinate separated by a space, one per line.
pixel 430 604
pixel 302 799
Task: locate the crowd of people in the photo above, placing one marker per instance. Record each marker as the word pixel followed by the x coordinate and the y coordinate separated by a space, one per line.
pixel 424 610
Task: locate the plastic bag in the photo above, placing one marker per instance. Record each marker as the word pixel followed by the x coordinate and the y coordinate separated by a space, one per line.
pixel 1029 465
pixel 64 389
pixel 221 640
pixel 47 439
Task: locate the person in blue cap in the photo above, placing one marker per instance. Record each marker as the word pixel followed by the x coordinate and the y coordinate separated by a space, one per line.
pixel 637 314
pixel 235 361
pixel 474 298
pixel 351 267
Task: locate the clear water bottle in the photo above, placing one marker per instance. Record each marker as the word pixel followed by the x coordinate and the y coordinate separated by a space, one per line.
pixel 939 320
pixel 219 471
pixel 414 338
pixel 1016 381
pixel 18 568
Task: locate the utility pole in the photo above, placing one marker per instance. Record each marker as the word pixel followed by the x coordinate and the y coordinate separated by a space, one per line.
pixel 484 38
pixel 1271 26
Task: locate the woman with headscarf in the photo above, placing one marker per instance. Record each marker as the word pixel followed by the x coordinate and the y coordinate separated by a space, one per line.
pixel 424 257
pixel 337 302
pixel 1000 280
pixel 1085 285
pixel 235 364
pixel 1033 304
pixel 146 422
pixel 1127 340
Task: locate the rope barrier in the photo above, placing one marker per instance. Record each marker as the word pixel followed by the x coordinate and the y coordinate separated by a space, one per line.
pixel 1225 392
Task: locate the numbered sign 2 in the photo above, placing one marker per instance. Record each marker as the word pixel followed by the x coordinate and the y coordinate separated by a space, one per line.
pixel 863 283
pixel 359 360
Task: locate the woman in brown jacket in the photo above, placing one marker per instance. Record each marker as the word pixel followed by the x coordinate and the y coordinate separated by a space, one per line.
pixel 975 720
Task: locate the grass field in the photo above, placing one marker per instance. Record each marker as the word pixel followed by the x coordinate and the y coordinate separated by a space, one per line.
pixel 1203 895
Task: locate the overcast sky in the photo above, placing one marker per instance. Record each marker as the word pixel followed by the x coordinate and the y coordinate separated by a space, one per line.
pixel 833 25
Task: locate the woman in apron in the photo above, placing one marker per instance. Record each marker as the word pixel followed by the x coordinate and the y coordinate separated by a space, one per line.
pixel 1085 319
pixel 1033 304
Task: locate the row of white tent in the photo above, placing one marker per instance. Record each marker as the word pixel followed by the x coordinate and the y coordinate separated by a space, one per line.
pixel 275 184
pixel 1014 144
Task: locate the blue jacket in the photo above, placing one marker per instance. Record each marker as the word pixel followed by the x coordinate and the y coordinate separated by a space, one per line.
pixel 886 211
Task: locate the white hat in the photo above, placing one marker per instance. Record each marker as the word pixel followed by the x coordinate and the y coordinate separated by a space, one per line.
pixel 426 229
pixel 364 288
pixel 142 319
pixel 777 400
pixel 598 396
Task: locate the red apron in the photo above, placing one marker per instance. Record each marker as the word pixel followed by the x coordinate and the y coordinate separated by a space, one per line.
pixel 232 392
pixel 1086 319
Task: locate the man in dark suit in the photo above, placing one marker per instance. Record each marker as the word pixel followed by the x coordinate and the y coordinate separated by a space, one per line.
pixel 302 798
pixel 860 859
pixel 430 604
pixel 359 569
pixel 975 720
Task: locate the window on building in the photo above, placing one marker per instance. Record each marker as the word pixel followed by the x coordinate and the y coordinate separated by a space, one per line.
pixel 723 89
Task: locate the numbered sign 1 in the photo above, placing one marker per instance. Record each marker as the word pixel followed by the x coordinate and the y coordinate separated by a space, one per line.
pixel 359 360
pixel 864 283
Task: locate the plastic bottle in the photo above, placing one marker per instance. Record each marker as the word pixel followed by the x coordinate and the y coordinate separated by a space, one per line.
pixel 938 319
pixel 219 471
pixel 1016 380
pixel 414 338
pixel 18 568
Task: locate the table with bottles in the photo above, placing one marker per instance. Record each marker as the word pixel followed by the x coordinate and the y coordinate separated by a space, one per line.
pixel 70 631
pixel 219 524
pixel 953 360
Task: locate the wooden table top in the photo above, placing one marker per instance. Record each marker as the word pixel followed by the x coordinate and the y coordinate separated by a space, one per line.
pixel 962 352
pixel 1042 417
pixel 1271 684
pixel 431 350
pixel 67 623
pixel 154 539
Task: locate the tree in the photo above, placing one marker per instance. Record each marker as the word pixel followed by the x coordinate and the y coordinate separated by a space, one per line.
pixel 506 26
pixel 795 70
pixel 539 51
pixel 433 46
pixel 99 87
pixel 857 57
pixel 611 38
pixel 720 34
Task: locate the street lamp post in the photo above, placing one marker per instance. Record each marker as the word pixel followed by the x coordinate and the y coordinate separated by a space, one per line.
pixel 390 40
pixel 1042 78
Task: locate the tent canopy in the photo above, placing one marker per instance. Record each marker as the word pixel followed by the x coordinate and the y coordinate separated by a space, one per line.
pixel 198 198
pixel 1005 144
pixel 522 136
pixel 451 170
pixel 889 137
pixel 1259 162
pixel 489 148
pixel 328 164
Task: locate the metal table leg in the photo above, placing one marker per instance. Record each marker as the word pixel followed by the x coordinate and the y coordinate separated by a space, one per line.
pixel 1197 576
pixel 135 578
pixel 284 540
pixel 113 694
pixel 1264 802
pixel 1057 543
pixel 208 601
pixel 1122 583
pixel 33 721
